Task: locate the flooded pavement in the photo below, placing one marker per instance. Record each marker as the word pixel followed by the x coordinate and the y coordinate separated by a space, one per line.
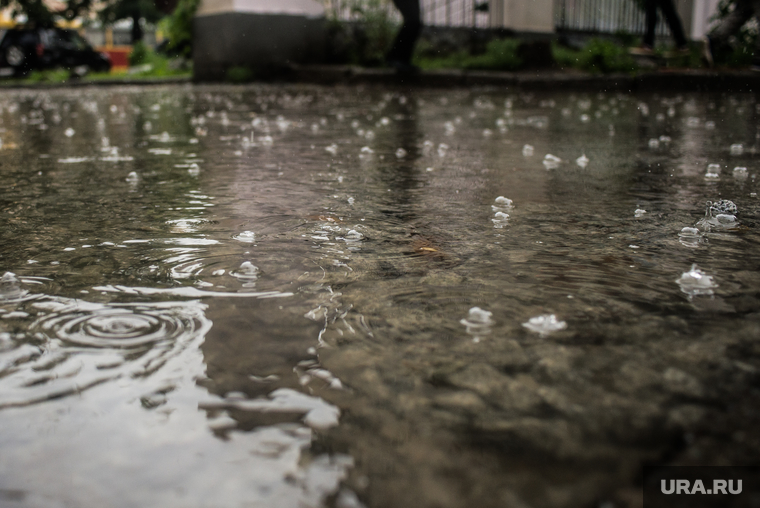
pixel 286 296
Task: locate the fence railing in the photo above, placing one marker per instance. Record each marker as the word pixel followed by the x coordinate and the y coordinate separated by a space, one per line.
pixel 454 13
pixel 602 16
pixel 585 16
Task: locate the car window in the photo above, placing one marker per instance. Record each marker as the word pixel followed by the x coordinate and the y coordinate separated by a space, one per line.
pixel 27 38
pixel 78 41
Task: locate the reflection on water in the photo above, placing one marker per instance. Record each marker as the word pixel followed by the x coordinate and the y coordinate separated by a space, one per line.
pixel 299 296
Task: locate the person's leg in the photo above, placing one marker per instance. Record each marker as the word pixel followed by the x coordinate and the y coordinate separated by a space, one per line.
pixel 650 7
pixel 668 9
pixel 403 44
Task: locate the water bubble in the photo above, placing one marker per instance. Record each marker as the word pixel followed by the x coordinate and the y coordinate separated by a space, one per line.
pixel 332 149
pixel 545 324
pixel 736 149
pixel 551 161
pixel 740 172
pixel 247 273
pixel 639 212
pixel 501 201
pixel 366 151
pixel 719 215
pixel 369 135
pixel 696 283
pixel 69 132
pixel 665 139
pixel 351 201
pixel 500 220
pixel 133 177
pixel 400 153
pixel 487 133
pixel 246 237
pixel 689 232
pixel 266 141
pixel 582 161
pixel 442 149
pixel 654 143
pixel 449 127
pixel 709 125
pixel 194 169
pixel 585 118
pixel 713 171
pixel 527 151
pixel 10 288
pixel 478 322
pixel 693 122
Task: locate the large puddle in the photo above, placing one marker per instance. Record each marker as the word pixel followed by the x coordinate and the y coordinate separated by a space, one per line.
pixel 301 297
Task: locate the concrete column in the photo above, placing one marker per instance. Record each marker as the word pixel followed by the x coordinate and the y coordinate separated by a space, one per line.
pixel 259 34
pixel 522 15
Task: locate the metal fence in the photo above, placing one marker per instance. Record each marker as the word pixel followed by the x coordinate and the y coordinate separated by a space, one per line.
pixel 454 13
pixel 583 16
pixel 602 16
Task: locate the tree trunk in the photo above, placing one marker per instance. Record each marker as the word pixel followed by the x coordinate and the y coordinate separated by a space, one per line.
pixel 137 31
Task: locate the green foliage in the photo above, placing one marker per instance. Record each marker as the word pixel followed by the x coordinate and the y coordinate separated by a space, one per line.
pixel 599 55
pixel 368 39
pixel 140 54
pixel 38 13
pixel 115 10
pixel 48 76
pixel 179 27
pixel 239 74
pixel 741 47
pixel 500 54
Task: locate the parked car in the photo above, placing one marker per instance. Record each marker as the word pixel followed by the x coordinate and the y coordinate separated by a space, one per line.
pixel 26 49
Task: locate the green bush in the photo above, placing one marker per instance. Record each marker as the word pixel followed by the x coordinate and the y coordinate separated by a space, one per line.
pixel 500 54
pixel 368 39
pixel 140 54
pixel 239 74
pixel 599 55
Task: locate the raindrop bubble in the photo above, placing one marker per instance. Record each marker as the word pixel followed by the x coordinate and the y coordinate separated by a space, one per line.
pixel 69 132
pixel 709 125
pixel 696 283
pixel 737 149
pixel 689 232
pixel 246 237
pixel 582 161
pixel 504 202
pixel 527 151
pixel 487 133
pixel 545 324
pixel 400 153
pixel 133 177
pixel 551 161
pixel 332 149
pixel 654 143
pixel 639 212
pixel 442 149
pixel 713 171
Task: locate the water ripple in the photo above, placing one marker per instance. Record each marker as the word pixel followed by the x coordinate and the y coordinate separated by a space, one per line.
pixel 73 345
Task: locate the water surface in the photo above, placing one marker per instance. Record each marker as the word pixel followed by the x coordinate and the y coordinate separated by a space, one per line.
pixel 298 296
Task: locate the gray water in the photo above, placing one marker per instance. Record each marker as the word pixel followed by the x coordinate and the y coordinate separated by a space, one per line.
pixel 282 296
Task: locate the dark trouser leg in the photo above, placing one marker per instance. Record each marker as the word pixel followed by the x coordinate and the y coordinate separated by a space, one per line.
pixel 650 7
pixel 668 9
pixel 403 44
